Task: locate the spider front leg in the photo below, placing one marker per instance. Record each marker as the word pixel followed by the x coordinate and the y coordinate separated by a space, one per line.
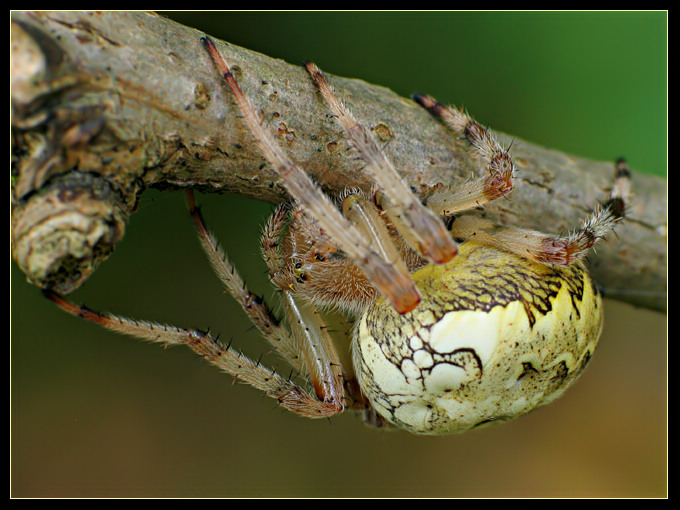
pixel 394 283
pixel 420 226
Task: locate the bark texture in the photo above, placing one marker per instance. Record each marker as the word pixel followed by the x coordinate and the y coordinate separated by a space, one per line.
pixel 108 104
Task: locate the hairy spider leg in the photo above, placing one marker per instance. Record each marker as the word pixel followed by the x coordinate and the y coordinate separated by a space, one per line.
pixel 543 248
pixel 397 286
pixel 551 249
pixel 308 348
pixel 475 192
pixel 289 394
pixel 254 306
pixel 367 219
pixel 420 226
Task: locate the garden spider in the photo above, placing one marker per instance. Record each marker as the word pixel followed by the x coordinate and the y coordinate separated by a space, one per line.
pixel 445 336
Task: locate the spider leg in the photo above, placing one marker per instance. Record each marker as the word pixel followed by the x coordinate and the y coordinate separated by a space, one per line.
pixel 318 352
pixel 411 218
pixel 397 286
pixel 308 348
pixel 288 393
pixel 545 248
pixel 254 307
pixel 366 218
pixel 476 192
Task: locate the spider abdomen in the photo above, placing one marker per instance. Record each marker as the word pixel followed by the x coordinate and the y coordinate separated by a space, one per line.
pixel 495 336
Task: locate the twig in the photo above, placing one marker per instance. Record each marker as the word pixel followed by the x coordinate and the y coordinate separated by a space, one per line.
pixel 108 104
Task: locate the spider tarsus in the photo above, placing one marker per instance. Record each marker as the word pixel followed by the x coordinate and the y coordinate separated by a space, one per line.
pixel 426 102
pixel 622 169
pixel 620 194
pixel 617 207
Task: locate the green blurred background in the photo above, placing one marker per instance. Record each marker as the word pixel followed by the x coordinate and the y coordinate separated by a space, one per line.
pixel 97 414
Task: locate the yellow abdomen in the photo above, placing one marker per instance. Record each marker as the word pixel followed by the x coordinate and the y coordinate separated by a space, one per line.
pixel 494 337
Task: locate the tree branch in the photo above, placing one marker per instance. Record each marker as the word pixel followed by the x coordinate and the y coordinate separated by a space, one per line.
pixel 106 105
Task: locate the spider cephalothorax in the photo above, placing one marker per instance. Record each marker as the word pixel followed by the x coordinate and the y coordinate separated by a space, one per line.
pixel 444 336
pixel 304 259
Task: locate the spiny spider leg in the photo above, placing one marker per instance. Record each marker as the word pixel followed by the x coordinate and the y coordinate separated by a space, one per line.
pixel 413 220
pixel 396 285
pixel 469 195
pixel 290 395
pixel 254 307
pixel 309 349
pixel 545 248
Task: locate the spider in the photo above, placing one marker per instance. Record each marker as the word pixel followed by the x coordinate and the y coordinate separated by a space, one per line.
pixel 455 324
